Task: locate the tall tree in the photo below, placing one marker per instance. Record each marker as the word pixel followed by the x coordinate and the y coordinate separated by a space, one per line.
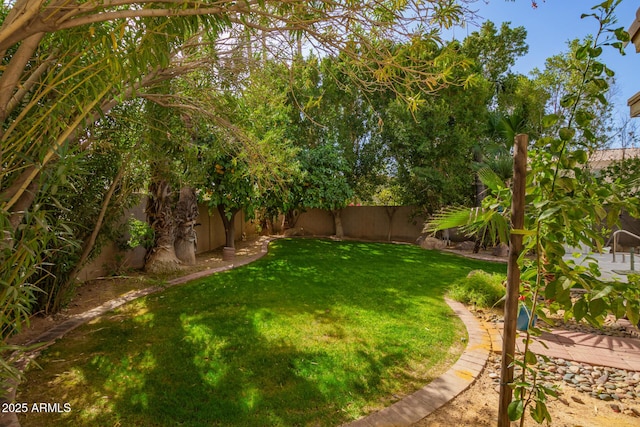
pixel 231 188
pixel 323 183
pixel 573 86
pixel 495 51
pixel 66 63
pixel 171 204
pixel 332 111
pixel 431 147
pixel 437 150
pixel 238 178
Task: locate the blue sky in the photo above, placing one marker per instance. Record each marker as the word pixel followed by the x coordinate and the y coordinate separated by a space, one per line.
pixel 552 24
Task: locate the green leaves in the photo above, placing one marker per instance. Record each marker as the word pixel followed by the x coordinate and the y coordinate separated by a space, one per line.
pixel 582 52
pixel 568 100
pixel 516 409
pixel 491 179
pixel 584 118
pixel 549 120
pixel 540 413
pixel 566 134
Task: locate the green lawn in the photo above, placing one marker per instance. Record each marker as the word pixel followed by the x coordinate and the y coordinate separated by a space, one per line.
pixel 316 333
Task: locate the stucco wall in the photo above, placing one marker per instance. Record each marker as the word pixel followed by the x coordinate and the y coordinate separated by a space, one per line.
pixel 365 222
pixel 211 229
pixel 360 222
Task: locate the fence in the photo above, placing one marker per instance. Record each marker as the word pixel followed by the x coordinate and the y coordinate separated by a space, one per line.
pixel 398 223
pixel 381 223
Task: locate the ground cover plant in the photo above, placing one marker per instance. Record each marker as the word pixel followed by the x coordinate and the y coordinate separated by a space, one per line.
pixel 317 332
pixel 479 288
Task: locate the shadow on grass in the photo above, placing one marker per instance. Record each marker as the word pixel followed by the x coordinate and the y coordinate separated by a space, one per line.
pixel 315 333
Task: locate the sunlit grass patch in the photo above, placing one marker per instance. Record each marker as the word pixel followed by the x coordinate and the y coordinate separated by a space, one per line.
pixel 316 333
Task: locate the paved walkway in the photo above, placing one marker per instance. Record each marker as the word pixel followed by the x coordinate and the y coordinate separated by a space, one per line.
pixel 599 350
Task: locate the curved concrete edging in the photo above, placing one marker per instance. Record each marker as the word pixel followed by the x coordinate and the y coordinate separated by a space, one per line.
pixel 457 379
pixel 49 337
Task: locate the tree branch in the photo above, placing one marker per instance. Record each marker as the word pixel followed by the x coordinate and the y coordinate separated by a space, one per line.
pixel 11 75
pixel 90 242
pixel 18 18
pixel 26 87
pixel 50 153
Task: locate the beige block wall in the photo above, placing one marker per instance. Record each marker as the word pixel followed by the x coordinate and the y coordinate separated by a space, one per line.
pixel 316 222
pixel 210 230
pixel 359 222
pixel 365 222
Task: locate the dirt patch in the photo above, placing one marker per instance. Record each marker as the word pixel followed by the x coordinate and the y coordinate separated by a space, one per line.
pixel 478 406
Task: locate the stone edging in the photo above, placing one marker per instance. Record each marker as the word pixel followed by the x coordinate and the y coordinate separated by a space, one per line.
pixel 49 337
pixel 457 379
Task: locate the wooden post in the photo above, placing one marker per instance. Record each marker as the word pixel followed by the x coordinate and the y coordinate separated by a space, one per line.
pixel 513 277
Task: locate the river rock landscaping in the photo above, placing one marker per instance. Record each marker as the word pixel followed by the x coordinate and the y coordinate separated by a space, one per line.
pixel 618 386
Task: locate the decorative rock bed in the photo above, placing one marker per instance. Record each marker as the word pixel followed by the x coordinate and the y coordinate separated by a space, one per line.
pixel 618 386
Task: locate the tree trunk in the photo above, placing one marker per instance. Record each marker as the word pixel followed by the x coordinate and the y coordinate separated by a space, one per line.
pixel 291 218
pixel 229 227
pixel 162 257
pixel 337 220
pixel 186 215
pixel 266 225
pixel 23 204
pixel 391 211
pixel 480 193
pixel 513 279
pixel 479 186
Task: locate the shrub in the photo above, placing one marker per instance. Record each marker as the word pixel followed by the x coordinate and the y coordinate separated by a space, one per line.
pixel 140 234
pixel 479 288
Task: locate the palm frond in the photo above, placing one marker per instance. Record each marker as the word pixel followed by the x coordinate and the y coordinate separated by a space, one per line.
pixel 453 217
pixel 491 179
pixel 471 221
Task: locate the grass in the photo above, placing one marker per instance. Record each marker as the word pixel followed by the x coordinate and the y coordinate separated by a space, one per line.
pixel 315 333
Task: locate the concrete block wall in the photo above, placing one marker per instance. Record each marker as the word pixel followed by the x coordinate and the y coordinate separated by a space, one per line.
pixel 359 222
